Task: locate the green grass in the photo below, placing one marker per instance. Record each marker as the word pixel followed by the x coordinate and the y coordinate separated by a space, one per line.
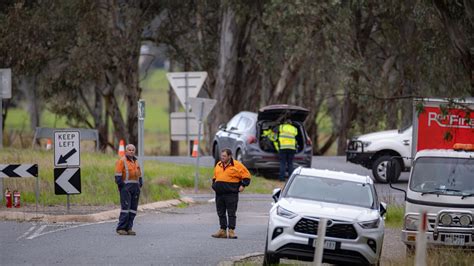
pixel 394 216
pixel 162 180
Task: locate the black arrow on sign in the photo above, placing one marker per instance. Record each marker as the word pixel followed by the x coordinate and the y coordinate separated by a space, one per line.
pixel 64 159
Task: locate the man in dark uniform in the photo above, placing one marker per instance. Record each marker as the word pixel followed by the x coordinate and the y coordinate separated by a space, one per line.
pixel 230 178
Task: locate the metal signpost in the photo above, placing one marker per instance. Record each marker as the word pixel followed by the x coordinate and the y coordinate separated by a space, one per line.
pixel 201 107
pixel 141 134
pixel 5 93
pixel 185 85
pixel 67 162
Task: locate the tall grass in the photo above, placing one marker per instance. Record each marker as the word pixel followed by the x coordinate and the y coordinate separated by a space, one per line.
pixel 394 216
pixel 97 179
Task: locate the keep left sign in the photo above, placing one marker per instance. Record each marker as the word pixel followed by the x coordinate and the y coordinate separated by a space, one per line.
pixel 67 149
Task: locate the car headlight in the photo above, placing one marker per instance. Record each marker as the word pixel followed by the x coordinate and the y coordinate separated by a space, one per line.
pixel 285 213
pixel 370 224
pixel 366 143
pixel 412 222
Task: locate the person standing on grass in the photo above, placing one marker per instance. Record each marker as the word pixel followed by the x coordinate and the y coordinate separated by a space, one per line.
pixel 230 178
pixel 128 177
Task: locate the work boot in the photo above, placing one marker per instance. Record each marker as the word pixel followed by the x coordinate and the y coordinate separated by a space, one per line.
pixel 122 232
pixel 232 234
pixel 220 234
pixel 131 232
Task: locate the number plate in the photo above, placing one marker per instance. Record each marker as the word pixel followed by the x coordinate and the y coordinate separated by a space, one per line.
pixel 327 244
pixel 454 239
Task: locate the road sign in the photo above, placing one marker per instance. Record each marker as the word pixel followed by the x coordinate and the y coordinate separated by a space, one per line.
pixel 67 148
pixel 186 84
pixel 5 83
pixel 141 110
pixel 178 126
pixel 18 170
pixel 67 181
pixel 201 107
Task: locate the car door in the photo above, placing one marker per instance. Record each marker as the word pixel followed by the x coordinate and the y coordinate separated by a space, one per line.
pixel 224 139
pixel 237 135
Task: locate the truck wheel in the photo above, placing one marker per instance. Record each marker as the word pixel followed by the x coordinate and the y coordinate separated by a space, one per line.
pixel 410 251
pixel 379 169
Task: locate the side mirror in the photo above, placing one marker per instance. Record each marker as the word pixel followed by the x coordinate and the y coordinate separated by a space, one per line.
pixel 383 208
pixel 276 194
pixel 222 126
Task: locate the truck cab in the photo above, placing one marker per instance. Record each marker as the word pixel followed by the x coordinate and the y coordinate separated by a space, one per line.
pixel 442 185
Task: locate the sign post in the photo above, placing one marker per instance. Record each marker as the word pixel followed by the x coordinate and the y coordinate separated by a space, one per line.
pixel 201 107
pixel 5 93
pixel 67 162
pixel 185 85
pixel 141 133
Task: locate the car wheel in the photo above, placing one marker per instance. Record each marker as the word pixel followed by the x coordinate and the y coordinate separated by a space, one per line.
pixel 216 154
pixel 268 258
pixel 379 168
pixel 238 155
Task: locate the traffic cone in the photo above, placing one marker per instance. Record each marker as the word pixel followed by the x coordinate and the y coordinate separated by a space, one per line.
pixel 48 145
pixel 121 151
pixel 195 148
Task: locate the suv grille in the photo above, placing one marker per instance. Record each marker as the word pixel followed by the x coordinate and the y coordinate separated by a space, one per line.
pixel 307 226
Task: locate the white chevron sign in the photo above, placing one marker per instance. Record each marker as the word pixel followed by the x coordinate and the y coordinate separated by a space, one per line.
pixel 18 170
pixel 67 181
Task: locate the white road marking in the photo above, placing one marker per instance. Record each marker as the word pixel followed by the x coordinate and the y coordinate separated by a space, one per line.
pixel 37 232
pixel 26 233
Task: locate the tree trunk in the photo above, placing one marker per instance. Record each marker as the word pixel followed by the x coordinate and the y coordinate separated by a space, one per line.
pixel 173 104
pixel 27 85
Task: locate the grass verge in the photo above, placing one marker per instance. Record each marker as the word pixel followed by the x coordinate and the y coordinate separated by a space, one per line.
pixel 163 181
pixel 394 216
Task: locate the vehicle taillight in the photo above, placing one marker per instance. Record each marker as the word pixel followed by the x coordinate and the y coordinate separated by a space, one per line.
pixel 251 139
pixel 308 141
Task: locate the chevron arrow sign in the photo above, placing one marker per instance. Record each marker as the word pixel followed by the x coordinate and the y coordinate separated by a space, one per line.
pixel 18 170
pixel 67 181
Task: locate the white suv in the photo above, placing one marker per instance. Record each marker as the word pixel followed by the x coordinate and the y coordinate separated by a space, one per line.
pixel 355 226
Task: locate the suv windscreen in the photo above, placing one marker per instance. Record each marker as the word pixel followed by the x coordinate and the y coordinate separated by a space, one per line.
pixel 444 176
pixel 331 190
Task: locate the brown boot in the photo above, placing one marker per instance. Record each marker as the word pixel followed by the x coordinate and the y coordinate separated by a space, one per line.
pixel 122 232
pixel 131 232
pixel 232 234
pixel 220 234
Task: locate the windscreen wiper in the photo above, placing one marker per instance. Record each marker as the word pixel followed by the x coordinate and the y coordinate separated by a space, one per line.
pixel 467 195
pixel 431 192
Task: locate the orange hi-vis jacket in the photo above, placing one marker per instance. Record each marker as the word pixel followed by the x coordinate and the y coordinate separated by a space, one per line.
pixel 228 179
pixel 129 170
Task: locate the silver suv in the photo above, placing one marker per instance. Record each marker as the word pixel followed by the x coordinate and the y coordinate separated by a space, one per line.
pixel 355 226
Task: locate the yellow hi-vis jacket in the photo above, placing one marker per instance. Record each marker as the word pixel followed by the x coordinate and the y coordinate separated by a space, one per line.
pixel 287 136
pixel 272 136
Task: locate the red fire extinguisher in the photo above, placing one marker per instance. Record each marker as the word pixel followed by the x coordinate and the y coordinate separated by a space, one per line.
pixel 8 198
pixel 16 199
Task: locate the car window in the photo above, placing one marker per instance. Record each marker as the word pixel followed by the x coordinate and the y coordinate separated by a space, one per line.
pixel 233 122
pixel 331 190
pixel 244 123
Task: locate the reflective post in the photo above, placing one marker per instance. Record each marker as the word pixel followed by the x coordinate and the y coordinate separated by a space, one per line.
pixel 318 251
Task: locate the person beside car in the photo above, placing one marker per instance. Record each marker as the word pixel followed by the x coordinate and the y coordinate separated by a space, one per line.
pixel 230 178
pixel 287 147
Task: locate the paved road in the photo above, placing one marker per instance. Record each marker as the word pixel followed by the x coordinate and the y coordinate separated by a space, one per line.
pixel 168 237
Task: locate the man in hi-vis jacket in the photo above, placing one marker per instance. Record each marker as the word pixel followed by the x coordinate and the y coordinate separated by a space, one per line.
pixel 128 177
pixel 230 178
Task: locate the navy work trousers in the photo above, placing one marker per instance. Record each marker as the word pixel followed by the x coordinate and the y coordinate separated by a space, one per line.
pixel 286 159
pixel 129 195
